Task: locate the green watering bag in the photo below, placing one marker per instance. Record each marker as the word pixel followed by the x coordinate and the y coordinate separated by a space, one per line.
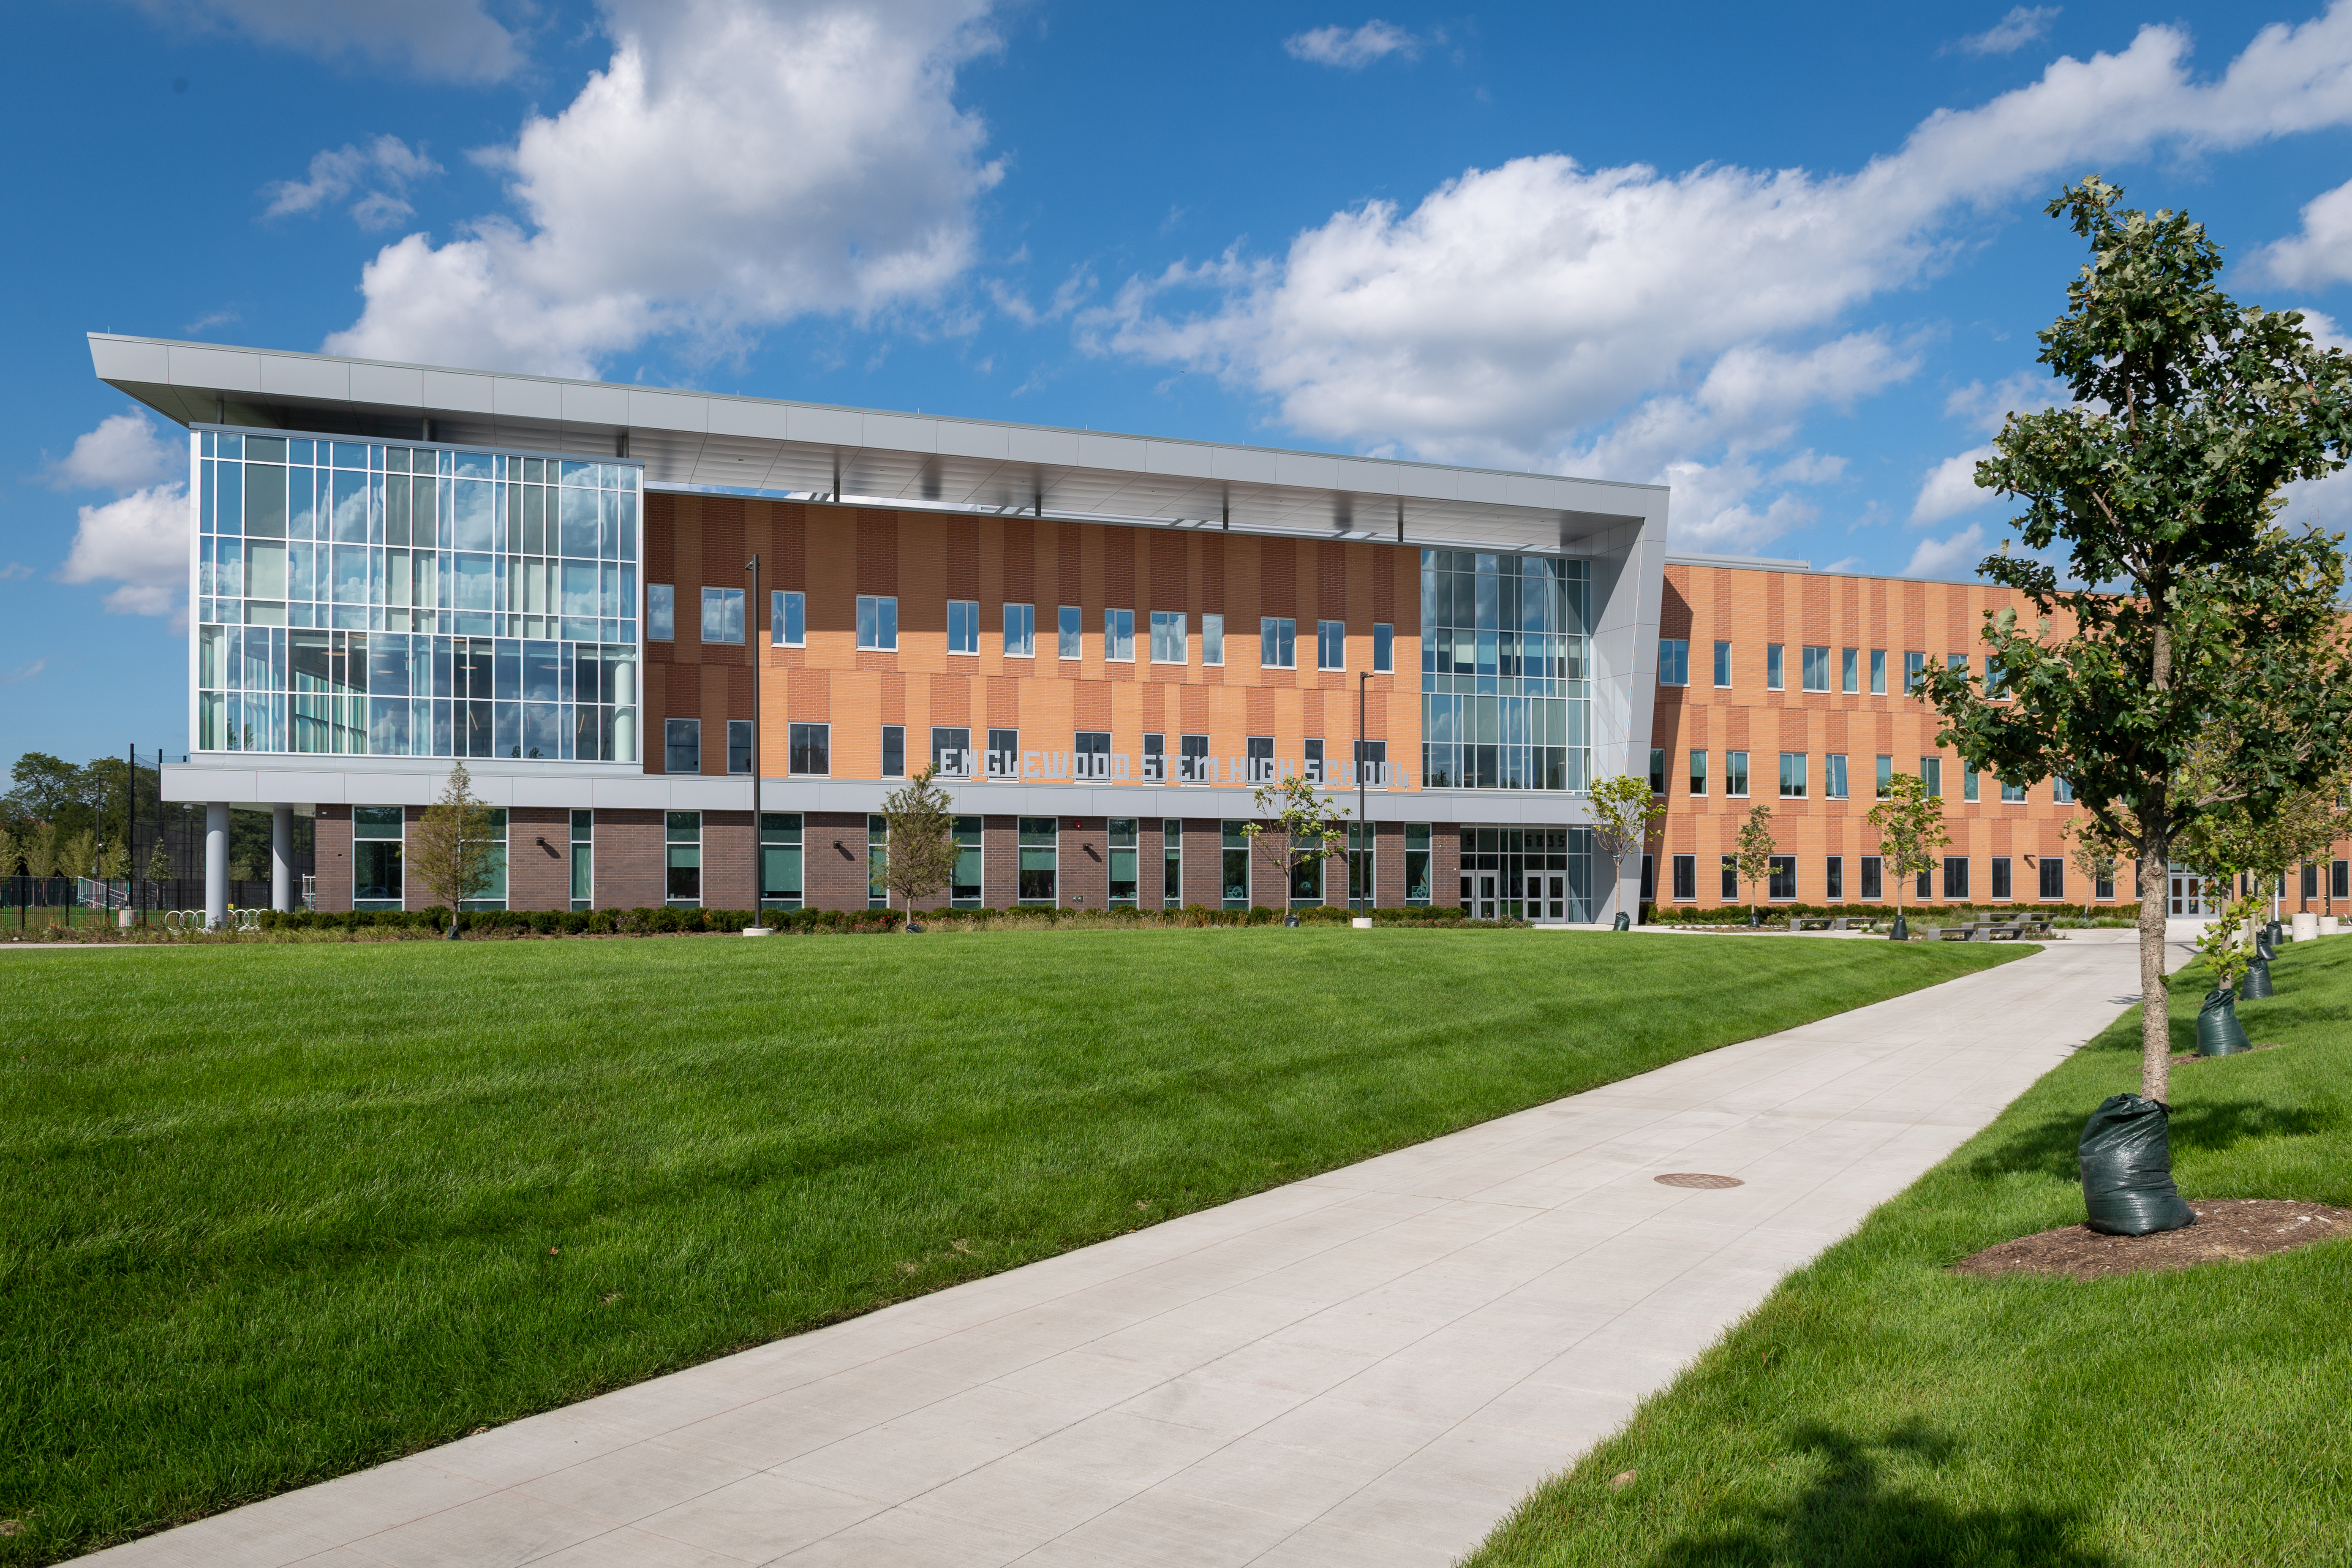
pixel 2219 1032
pixel 2127 1163
pixel 2258 979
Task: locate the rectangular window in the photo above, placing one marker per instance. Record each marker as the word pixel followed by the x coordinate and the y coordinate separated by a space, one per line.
pixel 1171 863
pixel 1674 661
pixel 1041 856
pixel 1956 879
pixel 1235 850
pixel 1926 889
pixel 1004 753
pixel 877 622
pixel 583 859
pixel 739 745
pixel 1658 770
pixel 1648 878
pixel 2053 876
pixel 682 745
pixel 661 613
pixel 1213 639
pixel 1331 645
pixel 1874 871
pixel 877 862
pixel 1277 643
pixel 1416 863
pixel 2310 881
pixel 1723 664
pixel 787 618
pixel 2000 882
pixel 1931 774
pixel 779 860
pixel 1118 636
pixel 1698 772
pixel 2012 795
pixel 1020 631
pixel 1313 767
pixel 964 883
pixel 812 749
pixel 1968 784
pixel 2339 879
pixel 1119 833
pixel 1834 776
pixel 1783 883
pixel 1817 669
pixel 1383 649
pixel 1878 672
pixel 1686 873
pixel 964 626
pixel 2061 792
pixel 894 750
pixel 1914 664
pixel 1834 879
pixel 493 894
pixel 1155 759
pixel 682 858
pixel 1069 634
pixel 1167 637
pixel 1850 670
pixel 1885 775
pixel 1735 773
pixel 951 751
pixel 1773 674
pixel 1731 878
pixel 722 615
pixel 375 857
pixel 2104 888
pixel 1090 755
pixel 1261 759
pixel 1793 776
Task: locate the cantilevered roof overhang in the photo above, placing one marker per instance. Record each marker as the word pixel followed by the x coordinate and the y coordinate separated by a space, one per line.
pixel 858 456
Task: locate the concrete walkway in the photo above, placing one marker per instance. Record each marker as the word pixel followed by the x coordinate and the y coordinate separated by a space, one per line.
pixel 1371 1367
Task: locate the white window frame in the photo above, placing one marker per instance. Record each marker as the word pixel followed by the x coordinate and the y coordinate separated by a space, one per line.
pixel 721 600
pixel 1070 632
pixel 877 622
pixel 787 618
pixel 1274 634
pixel 1213 640
pixel 1331 644
pixel 963 626
pixel 1383 649
pixel 661 613
pixel 1021 631
pixel 1168 638
pixel 1118 636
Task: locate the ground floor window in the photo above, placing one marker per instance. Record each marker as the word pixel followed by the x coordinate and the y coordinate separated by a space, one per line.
pixel 1528 873
pixel 682 851
pixel 1236 866
pixel 1783 881
pixel 1686 875
pixel 1041 855
pixel 781 841
pixel 1731 878
pixel 1833 879
pixel 2103 886
pixel 1955 877
pixel 583 859
pixel 2000 876
pixel 375 857
pixel 877 862
pixel 1417 878
pixel 1171 863
pixel 1648 878
pixel 963 881
pixel 2053 876
pixel 493 895
pixel 1873 878
pixel 1120 832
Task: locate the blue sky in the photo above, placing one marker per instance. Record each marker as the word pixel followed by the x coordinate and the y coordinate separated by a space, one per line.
pixel 1789 262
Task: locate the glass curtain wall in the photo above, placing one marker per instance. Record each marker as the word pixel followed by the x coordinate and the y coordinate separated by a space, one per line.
pixel 1528 873
pixel 370 599
pixel 779 860
pixel 1505 649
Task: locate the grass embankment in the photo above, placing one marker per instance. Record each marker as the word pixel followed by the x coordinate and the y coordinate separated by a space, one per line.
pixel 1877 1410
pixel 272 1213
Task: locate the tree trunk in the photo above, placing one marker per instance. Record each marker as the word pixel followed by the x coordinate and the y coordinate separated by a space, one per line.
pixel 2154 1004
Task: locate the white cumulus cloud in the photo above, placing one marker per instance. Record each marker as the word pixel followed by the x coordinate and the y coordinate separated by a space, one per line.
pixel 2321 254
pixel 2022 26
pixel 1954 557
pixel 736 164
pixel 125 452
pixel 1352 49
pixel 381 171
pixel 451 40
pixel 1950 487
pixel 140 543
pixel 1546 314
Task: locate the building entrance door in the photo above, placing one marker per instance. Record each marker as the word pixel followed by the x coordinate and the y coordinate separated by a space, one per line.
pixel 1547 897
pixel 2188 894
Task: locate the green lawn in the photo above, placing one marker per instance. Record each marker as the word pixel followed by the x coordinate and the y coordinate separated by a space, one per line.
pixel 268 1214
pixel 1877 1410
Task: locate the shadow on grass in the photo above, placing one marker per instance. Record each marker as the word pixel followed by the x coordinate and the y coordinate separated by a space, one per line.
pixel 1852 1517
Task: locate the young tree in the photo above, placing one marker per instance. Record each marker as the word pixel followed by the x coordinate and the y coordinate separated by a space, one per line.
pixel 922 849
pixel 2161 481
pixel 78 858
pixel 1757 848
pixel 1910 823
pixel 1623 811
pixel 450 849
pixel 1313 826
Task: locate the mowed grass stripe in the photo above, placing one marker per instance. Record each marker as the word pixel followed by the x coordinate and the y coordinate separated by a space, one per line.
pixel 274 1213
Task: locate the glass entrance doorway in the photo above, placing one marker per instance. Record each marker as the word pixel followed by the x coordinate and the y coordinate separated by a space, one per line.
pixel 2192 894
pixel 1528 873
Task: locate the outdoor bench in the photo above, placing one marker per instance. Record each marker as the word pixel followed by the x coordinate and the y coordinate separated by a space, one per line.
pixel 1812 923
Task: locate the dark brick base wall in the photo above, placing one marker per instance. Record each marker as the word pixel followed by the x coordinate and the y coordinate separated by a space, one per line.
pixel 333 889
pixel 630 865
pixel 834 878
pixel 539 858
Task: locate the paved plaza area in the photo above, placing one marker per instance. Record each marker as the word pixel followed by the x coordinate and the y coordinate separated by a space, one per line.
pixel 1369 1367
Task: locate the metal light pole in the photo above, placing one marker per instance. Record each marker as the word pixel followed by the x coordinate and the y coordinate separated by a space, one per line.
pixel 1363 766
pixel 759 926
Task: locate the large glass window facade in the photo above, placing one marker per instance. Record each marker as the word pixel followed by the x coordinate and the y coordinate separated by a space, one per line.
pixel 1503 683
pixel 375 857
pixel 682 846
pixel 779 860
pixel 1039 849
pixel 964 884
pixel 1528 873
pixel 374 599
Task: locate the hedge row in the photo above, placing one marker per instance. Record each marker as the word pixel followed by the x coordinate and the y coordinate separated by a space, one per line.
pixel 648 921
pixel 1777 914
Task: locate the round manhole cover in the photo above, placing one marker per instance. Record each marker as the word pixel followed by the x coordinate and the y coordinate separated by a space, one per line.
pixel 1698 1179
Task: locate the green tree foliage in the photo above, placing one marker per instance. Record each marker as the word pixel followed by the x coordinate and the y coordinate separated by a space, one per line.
pixel 922 851
pixel 1314 827
pixel 159 864
pixel 1756 848
pixel 78 856
pixel 2160 486
pixel 1623 812
pixel 1911 832
pixel 449 849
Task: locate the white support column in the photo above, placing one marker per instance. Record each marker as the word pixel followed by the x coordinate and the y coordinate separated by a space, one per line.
pixel 215 864
pixel 281 858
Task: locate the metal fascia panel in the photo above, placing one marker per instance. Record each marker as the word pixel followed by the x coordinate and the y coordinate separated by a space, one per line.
pixel 830 426
pixel 467 392
pixel 130 359
pixel 742 417
pixel 651 410
pixel 401 386
pixel 215 370
pixel 594 405
pixel 288 375
pixel 526 397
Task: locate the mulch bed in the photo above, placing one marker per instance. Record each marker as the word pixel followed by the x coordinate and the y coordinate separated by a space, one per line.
pixel 2227 1230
